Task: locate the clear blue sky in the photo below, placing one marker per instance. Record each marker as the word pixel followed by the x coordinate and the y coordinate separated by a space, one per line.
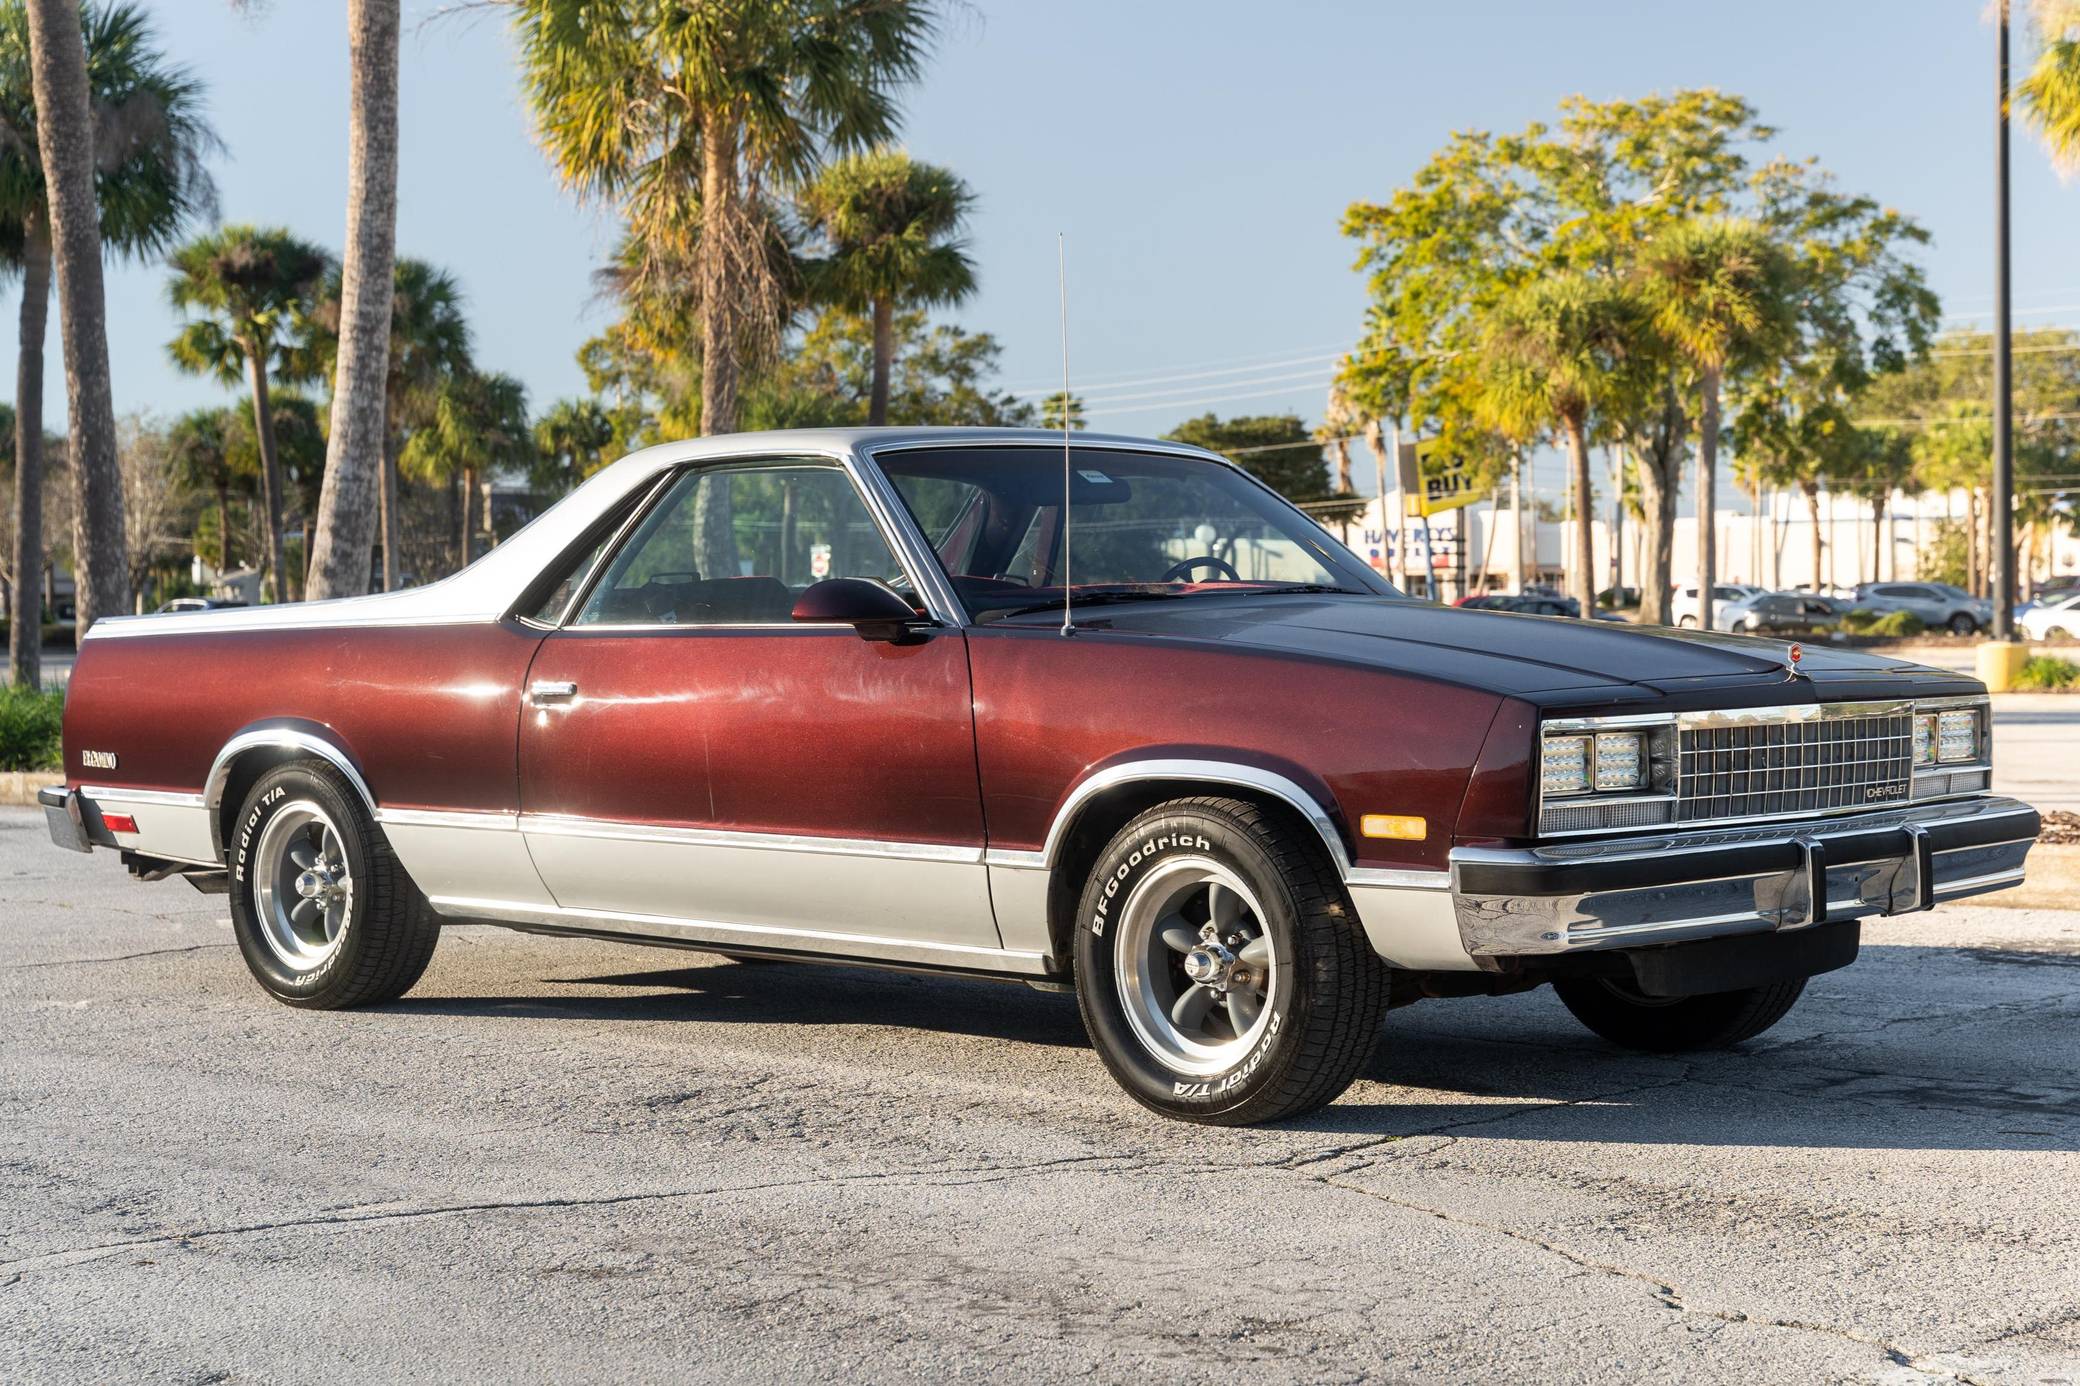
pixel 1198 153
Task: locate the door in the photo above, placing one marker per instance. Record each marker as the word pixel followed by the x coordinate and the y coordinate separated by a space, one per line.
pixel 690 753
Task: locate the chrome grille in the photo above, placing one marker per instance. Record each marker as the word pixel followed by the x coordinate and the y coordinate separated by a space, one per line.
pixel 1813 764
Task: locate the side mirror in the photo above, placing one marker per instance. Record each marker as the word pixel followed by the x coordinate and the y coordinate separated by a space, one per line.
pixel 872 609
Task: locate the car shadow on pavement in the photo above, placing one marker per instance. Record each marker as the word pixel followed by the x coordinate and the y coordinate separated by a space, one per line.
pixel 808 994
pixel 1508 1068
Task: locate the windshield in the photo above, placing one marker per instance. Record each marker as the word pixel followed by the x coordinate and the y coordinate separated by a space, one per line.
pixel 1141 526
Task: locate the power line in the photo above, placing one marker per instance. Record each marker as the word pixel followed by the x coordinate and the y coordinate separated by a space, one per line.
pixel 1254 361
pixel 1087 392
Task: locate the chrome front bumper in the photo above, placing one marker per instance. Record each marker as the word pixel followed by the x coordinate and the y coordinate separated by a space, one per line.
pixel 1673 887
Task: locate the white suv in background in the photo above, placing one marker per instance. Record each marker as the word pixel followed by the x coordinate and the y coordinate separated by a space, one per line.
pixel 2055 618
pixel 1683 610
pixel 1939 605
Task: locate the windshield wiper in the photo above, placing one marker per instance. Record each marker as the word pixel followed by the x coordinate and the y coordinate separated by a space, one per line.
pixel 1109 596
pixel 1306 587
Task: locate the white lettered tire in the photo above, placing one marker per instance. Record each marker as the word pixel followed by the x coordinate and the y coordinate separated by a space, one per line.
pixel 1222 975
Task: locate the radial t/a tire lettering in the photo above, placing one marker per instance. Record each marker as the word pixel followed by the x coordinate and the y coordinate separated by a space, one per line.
pixel 323 912
pixel 1222 974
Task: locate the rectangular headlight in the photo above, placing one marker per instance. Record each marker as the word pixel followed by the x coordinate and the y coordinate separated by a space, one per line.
pixel 1957 736
pixel 1564 766
pixel 1924 739
pixel 1621 760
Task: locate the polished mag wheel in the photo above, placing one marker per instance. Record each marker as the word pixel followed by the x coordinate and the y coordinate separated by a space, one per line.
pixel 304 890
pixel 1194 965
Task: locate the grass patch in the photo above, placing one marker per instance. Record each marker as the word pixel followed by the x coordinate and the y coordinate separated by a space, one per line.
pixel 2048 673
pixel 29 729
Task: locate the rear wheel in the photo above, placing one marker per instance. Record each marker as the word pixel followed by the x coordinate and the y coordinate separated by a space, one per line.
pixel 1222 975
pixel 325 915
pixel 1686 620
pixel 1624 1015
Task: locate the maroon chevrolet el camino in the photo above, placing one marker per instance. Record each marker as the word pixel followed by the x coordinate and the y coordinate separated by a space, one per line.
pixel 1109 717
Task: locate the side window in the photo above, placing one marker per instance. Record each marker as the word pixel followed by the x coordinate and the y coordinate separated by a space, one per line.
pixel 735 545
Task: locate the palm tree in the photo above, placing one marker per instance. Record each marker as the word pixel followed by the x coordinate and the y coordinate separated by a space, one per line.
pixel 1060 410
pixel 199 449
pixel 355 448
pixel 2051 92
pixel 149 143
pixel 1562 350
pixel 250 284
pixel 891 227
pixel 1718 287
pixel 571 439
pixel 478 425
pixel 429 341
pixel 686 116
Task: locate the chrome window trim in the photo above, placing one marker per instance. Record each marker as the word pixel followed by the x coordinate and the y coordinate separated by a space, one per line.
pixel 867 484
pixel 1749 716
pixel 869 453
pixel 615 538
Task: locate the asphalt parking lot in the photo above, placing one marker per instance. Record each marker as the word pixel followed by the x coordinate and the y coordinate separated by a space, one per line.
pixel 562 1160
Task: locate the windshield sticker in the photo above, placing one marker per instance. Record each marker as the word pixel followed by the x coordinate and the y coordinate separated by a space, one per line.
pixel 1095 478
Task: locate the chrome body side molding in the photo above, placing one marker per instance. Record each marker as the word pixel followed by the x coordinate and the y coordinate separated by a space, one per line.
pixel 685 931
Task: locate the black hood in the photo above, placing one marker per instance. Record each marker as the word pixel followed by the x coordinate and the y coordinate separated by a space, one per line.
pixel 1552 661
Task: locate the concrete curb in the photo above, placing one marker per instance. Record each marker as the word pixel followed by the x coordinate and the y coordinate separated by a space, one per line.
pixel 20 786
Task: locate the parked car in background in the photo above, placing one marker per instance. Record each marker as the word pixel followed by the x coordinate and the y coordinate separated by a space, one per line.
pixel 1779 613
pixel 1683 610
pixel 2053 618
pixel 199 604
pixel 1939 605
pixel 829 695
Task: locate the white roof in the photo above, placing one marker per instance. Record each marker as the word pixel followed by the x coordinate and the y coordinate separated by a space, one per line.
pixel 487 588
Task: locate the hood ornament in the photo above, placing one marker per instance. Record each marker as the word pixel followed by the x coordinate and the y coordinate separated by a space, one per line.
pixel 1793 653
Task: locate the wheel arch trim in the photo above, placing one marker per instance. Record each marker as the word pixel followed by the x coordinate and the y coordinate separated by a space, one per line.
pixel 278 735
pixel 1209 772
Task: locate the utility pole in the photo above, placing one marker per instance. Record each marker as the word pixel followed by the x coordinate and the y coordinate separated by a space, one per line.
pixel 2003 402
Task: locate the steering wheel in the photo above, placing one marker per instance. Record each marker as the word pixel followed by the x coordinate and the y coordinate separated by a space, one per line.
pixel 1176 571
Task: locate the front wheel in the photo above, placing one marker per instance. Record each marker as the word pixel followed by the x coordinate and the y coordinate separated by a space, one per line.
pixel 1222 975
pixel 1624 1015
pixel 323 912
pixel 1961 624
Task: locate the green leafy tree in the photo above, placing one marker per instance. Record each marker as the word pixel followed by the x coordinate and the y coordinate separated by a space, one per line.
pixel 150 144
pixel 477 427
pixel 1061 407
pixel 2050 92
pixel 244 288
pixel 200 454
pixel 429 342
pixel 1276 448
pixel 1562 351
pixel 684 118
pixel 1719 289
pixel 942 376
pixel 891 231
pixel 573 439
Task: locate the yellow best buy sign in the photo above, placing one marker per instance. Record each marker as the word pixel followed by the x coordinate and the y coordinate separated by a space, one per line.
pixel 1432 479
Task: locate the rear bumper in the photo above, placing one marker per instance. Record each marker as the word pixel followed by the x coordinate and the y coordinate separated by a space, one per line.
pixel 61 815
pixel 1673 887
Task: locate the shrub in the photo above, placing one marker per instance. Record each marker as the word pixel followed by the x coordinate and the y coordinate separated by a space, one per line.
pixel 2047 671
pixel 1886 624
pixel 29 729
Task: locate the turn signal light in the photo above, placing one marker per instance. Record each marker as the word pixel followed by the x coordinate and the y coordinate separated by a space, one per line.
pixel 1394 827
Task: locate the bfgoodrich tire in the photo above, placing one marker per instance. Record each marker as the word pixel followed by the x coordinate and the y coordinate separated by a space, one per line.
pixel 1222 975
pixel 324 914
pixel 1673 1025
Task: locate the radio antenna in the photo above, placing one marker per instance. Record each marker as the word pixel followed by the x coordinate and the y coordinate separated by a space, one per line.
pixel 1061 246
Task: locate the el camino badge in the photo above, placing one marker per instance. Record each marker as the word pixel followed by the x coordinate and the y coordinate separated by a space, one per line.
pixel 98 760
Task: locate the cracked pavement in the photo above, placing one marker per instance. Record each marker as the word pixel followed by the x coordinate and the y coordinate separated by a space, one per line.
pixel 564 1159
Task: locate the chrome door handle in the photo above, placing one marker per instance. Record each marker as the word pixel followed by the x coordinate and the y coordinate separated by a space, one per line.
pixel 551 691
